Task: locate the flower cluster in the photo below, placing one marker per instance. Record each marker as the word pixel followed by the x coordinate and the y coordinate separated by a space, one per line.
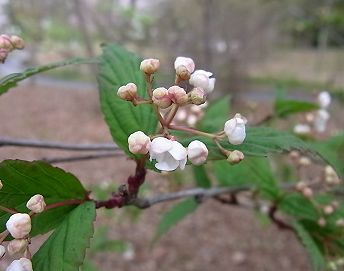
pixel 19 227
pixel 317 120
pixel 163 147
pixel 8 44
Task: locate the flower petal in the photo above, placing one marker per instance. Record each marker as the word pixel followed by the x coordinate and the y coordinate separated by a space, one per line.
pixel 160 145
pixel 178 151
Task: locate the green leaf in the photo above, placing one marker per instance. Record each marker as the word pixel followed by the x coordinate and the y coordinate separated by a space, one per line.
pixel 215 115
pixel 11 80
pixel 65 249
pixel 251 171
pixel 299 207
pixel 119 67
pixel 317 259
pixel 284 108
pixel 174 215
pixel 21 180
pixel 201 176
pixel 260 141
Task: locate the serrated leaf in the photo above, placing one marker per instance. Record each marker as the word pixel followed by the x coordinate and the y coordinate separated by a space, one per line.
pixel 118 67
pixel 250 171
pixel 174 215
pixel 65 249
pixel 22 179
pixel 299 207
pixel 201 176
pixel 11 80
pixel 215 115
pixel 284 108
pixel 317 259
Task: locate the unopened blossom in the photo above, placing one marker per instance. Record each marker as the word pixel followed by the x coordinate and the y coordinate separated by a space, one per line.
pixel 22 264
pixel 304 161
pixel 191 120
pixel 331 176
pixel 307 192
pixel 36 204
pixel 17 246
pixel 322 222
pixel 19 225
pixel 5 43
pixel 139 143
pixel 178 95
pixel 324 99
pixel 320 120
pixel 17 42
pixel 3 54
pixel 235 129
pixel 161 98
pixel 197 152
pixel 128 92
pixel 197 96
pixel 1 185
pixel 2 251
pixel 302 129
pixel 150 65
pixel 235 157
pixel 202 79
pixel 184 67
pixel 328 209
pixel 169 154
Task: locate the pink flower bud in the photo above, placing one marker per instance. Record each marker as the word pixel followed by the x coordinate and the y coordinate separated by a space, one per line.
pixel 2 251
pixel 17 246
pixel 19 225
pixel 5 43
pixel 235 157
pixel 161 98
pixel 150 65
pixel 201 78
pixel 328 209
pixel 22 264
pixel 197 152
pixel 197 96
pixel 17 42
pixel 178 95
pixel 235 129
pixel 139 143
pixel 128 92
pixel 184 67
pixel 36 204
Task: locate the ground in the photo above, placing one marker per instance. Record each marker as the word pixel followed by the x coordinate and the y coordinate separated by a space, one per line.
pixel 215 237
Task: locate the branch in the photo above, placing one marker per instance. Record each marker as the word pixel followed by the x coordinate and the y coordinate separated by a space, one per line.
pixel 32 143
pixel 82 157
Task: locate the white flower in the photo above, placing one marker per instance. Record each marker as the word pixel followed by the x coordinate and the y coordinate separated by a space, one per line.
pixel 201 78
pixel 197 152
pixel 17 246
pixel 178 95
pixel 150 65
pixel 139 143
pixel 36 204
pixel 324 99
pixel 302 129
pixel 161 98
pixel 128 92
pixel 320 120
pixel 2 251
pixel 22 264
pixel 19 225
pixel 235 129
pixel 169 154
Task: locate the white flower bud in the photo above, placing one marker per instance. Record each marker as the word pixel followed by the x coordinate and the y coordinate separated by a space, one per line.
pixel 1 185
pixel 197 152
pixel 307 192
pixel 235 157
pixel 300 186
pixel 17 246
pixel 328 209
pixel 340 222
pixel 302 129
pixel 2 251
pixel 139 143
pixel 191 120
pixel 22 264
pixel 331 177
pixel 201 78
pixel 322 222
pixel 169 154
pixel 36 204
pixel 19 225
pixel 235 129
pixel 150 65
pixel 5 43
pixel 324 99
pixel 178 95
pixel 161 98
pixel 197 96
pixel 184 67
pixel 320 120
pixel 17 42
pixel 128 92
pixel 305 161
